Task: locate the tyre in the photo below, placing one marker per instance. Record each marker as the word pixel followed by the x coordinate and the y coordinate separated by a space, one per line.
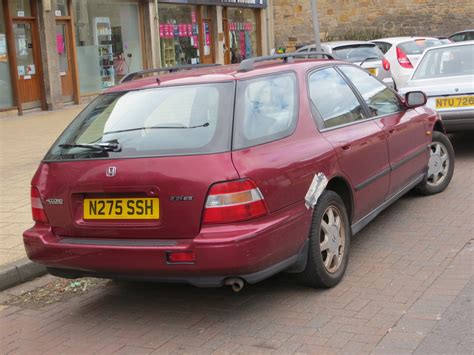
pixel 329 241
pixel 440 166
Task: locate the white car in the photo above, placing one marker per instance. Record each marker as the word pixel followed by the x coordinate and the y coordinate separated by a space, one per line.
pixel 403 53
pixel 446 75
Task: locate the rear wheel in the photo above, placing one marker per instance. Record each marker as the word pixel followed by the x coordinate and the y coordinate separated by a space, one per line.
pixel 329 242
pixel 440 166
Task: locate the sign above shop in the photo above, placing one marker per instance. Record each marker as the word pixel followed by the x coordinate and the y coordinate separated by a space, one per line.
pixel 239 3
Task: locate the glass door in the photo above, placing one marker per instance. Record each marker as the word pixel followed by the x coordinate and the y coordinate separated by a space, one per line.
pixel 27 70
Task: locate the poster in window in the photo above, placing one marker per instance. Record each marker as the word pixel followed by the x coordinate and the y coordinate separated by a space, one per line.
pixel 3 47
pixel 60 43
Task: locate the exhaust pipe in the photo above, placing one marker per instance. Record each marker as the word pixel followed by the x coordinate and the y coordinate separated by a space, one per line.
pixel 236 283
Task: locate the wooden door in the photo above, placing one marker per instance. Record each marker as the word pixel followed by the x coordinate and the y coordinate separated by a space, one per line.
pixel 64 51
pixel 28 70
pixel 208 42
pixel 225 27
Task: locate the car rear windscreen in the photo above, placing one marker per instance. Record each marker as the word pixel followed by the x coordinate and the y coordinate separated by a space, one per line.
pixel 446 61
pixel 357 53
pixel 179 120
pixel 418 46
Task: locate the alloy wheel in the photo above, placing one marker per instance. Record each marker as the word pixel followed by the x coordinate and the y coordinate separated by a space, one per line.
pixel 332 239
pixel 438 165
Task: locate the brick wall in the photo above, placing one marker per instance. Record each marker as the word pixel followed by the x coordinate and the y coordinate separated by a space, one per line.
pixel 347 19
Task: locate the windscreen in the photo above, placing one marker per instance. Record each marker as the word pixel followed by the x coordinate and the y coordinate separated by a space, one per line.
pixel 181 120
pixel 358 53
pixel 418 46
pixel 447 61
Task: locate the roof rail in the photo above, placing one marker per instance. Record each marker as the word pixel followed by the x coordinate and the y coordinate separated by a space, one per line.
pixel 248 64
pixel 132 76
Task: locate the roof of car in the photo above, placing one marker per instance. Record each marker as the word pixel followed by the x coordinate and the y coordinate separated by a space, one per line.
pixel 459 32
pixel 454 44
pixel 396 40
pixel 334 44
pixel 217 74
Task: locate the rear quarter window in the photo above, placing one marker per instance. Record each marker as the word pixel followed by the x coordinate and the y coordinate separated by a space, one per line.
pixel 266 109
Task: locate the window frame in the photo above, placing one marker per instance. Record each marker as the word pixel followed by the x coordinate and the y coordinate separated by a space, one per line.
pixel 269 139
pixel 403 107
pixel 317 116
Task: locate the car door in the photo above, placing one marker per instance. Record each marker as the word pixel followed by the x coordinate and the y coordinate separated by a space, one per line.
pixel 358 141
pixel 405 129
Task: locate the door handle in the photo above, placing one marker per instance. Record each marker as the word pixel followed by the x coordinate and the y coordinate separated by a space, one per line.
pixel 346 146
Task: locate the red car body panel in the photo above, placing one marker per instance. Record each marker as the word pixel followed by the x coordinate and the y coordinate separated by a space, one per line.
pixel 376 158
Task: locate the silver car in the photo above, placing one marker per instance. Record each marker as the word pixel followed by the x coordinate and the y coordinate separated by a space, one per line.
pixel 446 75
pixel 365 54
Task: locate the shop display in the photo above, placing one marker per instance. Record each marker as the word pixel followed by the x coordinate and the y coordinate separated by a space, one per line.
pixel 178 32
pixel 103 40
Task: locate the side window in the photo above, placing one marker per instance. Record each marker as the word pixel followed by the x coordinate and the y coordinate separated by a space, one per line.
pixel 266 109
pixel 380 99
pixel 333 99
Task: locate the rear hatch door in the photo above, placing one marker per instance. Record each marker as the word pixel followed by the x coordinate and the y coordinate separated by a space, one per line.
pixel 139 164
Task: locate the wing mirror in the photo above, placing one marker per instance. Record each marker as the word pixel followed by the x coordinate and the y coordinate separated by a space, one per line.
pixel 415 99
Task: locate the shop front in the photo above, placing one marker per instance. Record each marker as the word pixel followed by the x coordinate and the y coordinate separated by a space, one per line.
pixel 209 31
pixel 20 59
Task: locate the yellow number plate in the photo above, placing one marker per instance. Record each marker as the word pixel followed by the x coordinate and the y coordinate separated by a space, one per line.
pixel 121 208
pixel 372 71
pixel 458 101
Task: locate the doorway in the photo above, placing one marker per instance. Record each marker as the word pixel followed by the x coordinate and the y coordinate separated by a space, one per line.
pixel 28 67
pixel 64 51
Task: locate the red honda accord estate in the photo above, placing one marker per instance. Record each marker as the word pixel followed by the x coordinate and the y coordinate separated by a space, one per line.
pixel 228 175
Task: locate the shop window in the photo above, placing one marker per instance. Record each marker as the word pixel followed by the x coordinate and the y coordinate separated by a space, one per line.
pixel 20 8
pixel 6 92
pixel 61 8
pixel 242 26
pixel 108 42
pixel 179 35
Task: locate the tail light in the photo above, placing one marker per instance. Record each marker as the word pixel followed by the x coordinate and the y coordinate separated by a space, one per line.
pixel 403 59
pixel 37 208
pixel 386 64
pixel 233 201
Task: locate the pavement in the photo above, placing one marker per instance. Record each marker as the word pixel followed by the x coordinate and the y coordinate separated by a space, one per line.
pixel 408 287
pixel 24 141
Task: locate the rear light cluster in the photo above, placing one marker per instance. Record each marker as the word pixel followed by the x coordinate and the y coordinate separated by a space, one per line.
pixel 233 201
pixel 386 64
pixel 403 59
pixel 37 208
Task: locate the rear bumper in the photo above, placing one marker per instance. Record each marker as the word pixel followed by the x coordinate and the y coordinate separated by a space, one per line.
pixel 458 120
pixel 251 250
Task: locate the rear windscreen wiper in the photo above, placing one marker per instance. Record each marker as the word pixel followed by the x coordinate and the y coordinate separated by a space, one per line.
pixel 157 127
pixel 103 147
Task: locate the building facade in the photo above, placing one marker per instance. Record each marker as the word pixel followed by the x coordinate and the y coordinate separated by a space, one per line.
pixel 367 19
pixel 54 52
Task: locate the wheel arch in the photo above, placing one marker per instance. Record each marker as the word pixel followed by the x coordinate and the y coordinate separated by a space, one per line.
pixel 341 186
pixel 439 126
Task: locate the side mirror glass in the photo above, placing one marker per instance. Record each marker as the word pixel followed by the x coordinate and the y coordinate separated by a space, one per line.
pixel 415 99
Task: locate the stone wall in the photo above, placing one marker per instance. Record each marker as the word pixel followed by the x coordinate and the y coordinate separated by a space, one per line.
pixel 366 19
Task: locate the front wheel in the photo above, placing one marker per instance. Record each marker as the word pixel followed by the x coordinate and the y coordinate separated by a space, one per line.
pixel 329 242
pixel 440 165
